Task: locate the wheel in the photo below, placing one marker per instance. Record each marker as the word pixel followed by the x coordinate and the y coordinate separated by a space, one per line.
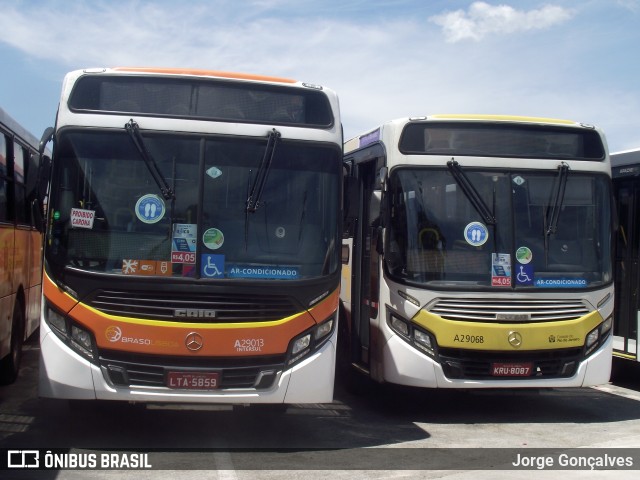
pixel 10 365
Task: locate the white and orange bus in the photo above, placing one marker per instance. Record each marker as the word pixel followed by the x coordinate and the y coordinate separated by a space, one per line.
pixel 20 244
pixel 482 253
pixel 192 247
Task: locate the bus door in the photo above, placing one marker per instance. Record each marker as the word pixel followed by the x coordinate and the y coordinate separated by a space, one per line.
pixel 627 281
pixel 364 273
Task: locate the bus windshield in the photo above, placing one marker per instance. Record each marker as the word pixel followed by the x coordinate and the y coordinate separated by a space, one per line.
pixel 436 237
pixel 109 215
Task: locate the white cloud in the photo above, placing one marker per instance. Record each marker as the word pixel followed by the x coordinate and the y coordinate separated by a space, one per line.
pixel 387 66
pixel 483 19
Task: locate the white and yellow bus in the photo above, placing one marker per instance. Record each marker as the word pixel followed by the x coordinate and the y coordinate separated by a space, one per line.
pixel 20 244
pixel 625 168
pixel 478 253
pixel 191 252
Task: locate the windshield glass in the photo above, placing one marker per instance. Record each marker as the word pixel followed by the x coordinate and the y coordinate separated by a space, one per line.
pixel 436 236
pixel 108 214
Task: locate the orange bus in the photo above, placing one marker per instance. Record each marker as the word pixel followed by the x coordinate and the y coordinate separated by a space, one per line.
pixel 192 247
pixel 20 244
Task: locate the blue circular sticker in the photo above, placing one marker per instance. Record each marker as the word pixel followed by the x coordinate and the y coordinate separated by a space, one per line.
pixel 476 234
pixel 150 208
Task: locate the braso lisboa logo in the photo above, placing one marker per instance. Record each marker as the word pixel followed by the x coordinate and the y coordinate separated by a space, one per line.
pixel 114 334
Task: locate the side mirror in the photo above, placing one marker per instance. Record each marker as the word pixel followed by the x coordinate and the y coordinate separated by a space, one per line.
pixel 47 136
pixel 44 173
pixel 37 214
pixel 381 180
pixel 40 192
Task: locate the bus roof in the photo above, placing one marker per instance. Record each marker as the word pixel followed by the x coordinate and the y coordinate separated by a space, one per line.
pixel 203 73
pixel 373 135
pixel 626 157
pixel 501 118
pixel 103 95
pixel 18 130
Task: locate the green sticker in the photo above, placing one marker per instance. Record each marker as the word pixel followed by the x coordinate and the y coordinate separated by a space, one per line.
pixel 524 255
pixel 213 238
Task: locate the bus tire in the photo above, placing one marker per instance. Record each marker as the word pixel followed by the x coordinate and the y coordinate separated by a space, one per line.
pixel 10 365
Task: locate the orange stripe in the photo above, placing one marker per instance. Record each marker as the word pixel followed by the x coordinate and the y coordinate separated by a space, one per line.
pixel 205 73
pixel 62 300
pixel 170 337
pixel 326 307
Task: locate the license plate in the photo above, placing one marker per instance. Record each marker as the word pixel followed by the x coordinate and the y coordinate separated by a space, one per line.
pixel 511 369
pixel 193 380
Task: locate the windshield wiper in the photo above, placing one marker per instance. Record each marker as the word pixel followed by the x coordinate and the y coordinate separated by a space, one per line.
pixel 553 212
pixel 255 193
pixel 134 132
pixel 470 191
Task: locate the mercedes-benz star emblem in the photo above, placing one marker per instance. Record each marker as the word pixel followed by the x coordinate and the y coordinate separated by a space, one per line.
pixel 194 341
pixel 515 339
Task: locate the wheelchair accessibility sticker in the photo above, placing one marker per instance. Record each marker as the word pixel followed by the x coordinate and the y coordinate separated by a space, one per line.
pixel 524 274
pixel 212 266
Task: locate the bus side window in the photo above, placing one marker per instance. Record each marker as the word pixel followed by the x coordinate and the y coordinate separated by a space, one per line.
pixel 19 166
pixel 4 204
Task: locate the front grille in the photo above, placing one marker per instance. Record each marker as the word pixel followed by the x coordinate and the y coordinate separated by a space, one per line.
pixel 163 305
pixel 473 365
pixel 508 311
pixel 124 369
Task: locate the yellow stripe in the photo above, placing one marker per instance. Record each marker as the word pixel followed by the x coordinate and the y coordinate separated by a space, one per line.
pixel 627 356
pixel 509 118
pixel 495 336
pixel 202 326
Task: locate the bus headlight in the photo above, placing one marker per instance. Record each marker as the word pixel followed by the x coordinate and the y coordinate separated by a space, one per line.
pixel 399 325
pixel 409 332
pixel 72 334
pixel 311 340
pixel 596 337
pixel 323 330
pixel 57 321
pixel 424 341
pixel 82 341
pixel 300 344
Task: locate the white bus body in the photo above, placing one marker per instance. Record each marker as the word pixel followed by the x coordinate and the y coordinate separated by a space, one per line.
pixel 479 253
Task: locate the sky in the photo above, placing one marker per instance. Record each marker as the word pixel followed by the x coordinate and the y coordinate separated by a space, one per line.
pixel 568 59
